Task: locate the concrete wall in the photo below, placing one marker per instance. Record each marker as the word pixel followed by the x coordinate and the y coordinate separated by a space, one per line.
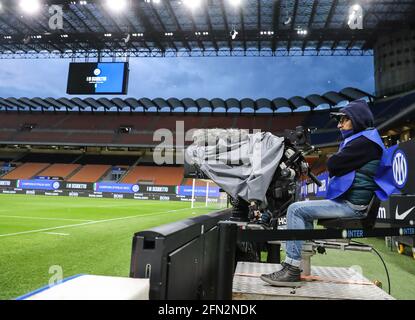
pixel 394 56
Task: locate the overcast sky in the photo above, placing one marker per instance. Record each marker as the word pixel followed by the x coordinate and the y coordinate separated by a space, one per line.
pixel 227 77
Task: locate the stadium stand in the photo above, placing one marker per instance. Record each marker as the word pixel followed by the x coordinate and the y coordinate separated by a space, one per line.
pixel 87 127
pixel 107 159
pixel 318 119
pixel 59 170
pixel 191 122
pixel 90 173
pixel 13 120
pixel 384 109
pixel 168 176
pixel 4 135
pixel 92 137
pixel 26 171
pixel 48 157
pixel 136 139
pixel 75 131
pixel 325 136
pixel 215 121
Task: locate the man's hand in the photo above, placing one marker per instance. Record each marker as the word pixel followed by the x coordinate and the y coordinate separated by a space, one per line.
pixel 254 212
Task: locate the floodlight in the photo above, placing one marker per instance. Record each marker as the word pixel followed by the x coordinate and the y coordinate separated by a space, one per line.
pixel 29 6
pixel 301 31
pixel 193 4
pixel 117 5
pixel 356 7
pixel 235 2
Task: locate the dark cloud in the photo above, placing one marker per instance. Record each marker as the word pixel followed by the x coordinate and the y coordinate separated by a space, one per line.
pixel 223 77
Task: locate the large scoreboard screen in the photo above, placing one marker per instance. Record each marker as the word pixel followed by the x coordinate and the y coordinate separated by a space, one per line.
pixel 98 78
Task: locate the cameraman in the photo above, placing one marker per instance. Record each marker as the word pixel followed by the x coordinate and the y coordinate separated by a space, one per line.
pixel 352 186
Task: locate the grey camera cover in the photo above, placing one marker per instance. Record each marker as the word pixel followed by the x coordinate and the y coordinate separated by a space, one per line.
pixel 241 163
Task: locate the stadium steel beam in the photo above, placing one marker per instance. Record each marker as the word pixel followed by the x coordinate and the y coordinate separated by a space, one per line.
pixel 410 14
pixel 4 48
pixel 26 37
pixel 16 103
pixel 347 2
pixel 120 104
pixel 209 23
pixel 336 42
pixel 86 27
pixel 44 105
pixel 7 104
pixel 56 45
pixel 91 15
pixel 133 29
pixel 220 35
pixel 332 98
pixel 100 25
pixel 75 13
pixel 149 29
pixel 176 22
pixel 259 25
pixel 328 20
pixel 10 13
pixel 388 13
pixel 3 23
pixel 71 18
pixel 161 23
pixel 311 20
pixel 275 24
pixel 225 21
pixel 194 29
pixel 241 14
pixel 110 18
pixel 20 35
pixel 170 106
pixel 93 54
pixel 350 44
pixel 27 103
pixel 293 23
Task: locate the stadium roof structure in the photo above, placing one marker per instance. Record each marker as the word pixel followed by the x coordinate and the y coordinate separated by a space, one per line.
pixel 166 28
pixel 326 101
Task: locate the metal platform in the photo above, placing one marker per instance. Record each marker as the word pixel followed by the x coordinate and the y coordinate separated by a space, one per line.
pixel 333 284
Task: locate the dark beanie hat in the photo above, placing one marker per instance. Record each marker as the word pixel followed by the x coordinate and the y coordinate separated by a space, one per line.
pixel 360 114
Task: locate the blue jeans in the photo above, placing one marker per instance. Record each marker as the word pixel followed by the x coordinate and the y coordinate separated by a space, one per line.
pixel 301 215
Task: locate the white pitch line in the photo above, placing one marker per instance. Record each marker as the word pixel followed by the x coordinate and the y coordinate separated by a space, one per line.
pixel 88 223
pixel 41 218
pixel 57 233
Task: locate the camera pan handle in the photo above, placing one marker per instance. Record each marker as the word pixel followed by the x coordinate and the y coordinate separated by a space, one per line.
pixel 314 178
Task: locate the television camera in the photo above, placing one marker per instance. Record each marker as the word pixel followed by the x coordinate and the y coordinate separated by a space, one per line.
pixel 284 187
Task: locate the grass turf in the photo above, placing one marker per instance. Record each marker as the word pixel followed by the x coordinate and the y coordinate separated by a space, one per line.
pixel 81 235
pixel 93 236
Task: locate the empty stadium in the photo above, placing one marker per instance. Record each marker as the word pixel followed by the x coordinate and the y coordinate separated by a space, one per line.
pixel 78 172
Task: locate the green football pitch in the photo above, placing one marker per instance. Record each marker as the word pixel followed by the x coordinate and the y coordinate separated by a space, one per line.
pixel 94 236
pixel 80 235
